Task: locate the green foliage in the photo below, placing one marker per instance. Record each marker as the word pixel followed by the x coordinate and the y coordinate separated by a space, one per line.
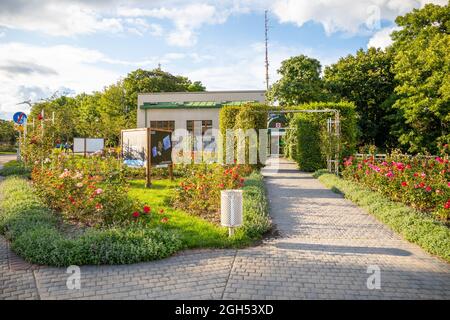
pixel 308 153
pixel 248 116
pixel 422 70
pixel 300 82
pixel 432 236
pixel 312 142
pixel 367 80
pixel 8 135
pixel 36 235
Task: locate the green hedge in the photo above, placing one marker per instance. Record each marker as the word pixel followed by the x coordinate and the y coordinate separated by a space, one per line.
pixel 312 142
pixel 414 226
pixel 247 116
pixel 35 234
pixel 256 209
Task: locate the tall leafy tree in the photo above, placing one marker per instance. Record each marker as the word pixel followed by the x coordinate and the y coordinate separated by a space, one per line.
pixel 113 113
pixel 366 79
pixel 300 82
pixel 422 69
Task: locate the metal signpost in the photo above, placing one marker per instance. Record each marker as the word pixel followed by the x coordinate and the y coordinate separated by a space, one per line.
pixel 20 118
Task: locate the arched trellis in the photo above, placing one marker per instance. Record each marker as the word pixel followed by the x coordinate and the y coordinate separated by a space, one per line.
pixel 333 129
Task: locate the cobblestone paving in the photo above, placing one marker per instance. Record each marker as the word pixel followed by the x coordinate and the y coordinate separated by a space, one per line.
pixel 325 246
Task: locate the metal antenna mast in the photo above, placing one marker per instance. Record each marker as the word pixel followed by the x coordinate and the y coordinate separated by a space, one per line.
pixel 266 29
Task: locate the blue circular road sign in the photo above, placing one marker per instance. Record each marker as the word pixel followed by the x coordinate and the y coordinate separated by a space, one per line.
pixel 19 117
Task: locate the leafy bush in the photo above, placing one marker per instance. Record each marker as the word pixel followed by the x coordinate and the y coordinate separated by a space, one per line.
pixel 35 234
pixel 413 225
pixel 90 192
pixel 312 143
pixel 422 183
pixel 199 192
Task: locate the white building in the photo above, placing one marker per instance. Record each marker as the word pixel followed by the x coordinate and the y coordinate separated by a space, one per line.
pixel 189 110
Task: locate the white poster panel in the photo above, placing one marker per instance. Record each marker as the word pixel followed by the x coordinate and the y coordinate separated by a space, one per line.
pixel 94 144
pixel 134 147
pixel 78 145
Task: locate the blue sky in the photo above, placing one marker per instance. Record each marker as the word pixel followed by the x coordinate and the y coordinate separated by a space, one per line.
pixel 81 46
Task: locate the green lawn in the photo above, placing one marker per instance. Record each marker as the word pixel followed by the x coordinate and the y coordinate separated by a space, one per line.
pixel 194 232
pixel 8 152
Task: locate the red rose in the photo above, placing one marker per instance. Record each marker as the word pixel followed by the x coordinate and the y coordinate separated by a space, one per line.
pixel 164 220
pixel 404 184
pixel 161 210
pixel 428 189
pixel 136 214
pixel 147 209
pixel 447 205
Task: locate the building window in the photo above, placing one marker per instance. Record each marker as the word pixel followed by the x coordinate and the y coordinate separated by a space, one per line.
pixel 206 125
pixel 167 125
pixel 192 126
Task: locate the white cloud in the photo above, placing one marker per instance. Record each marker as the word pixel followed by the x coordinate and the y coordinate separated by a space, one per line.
pixel 187 19
pixel 344 15
pixel 382 38
pixel 243 68
pixel 72 17
pixel 28 71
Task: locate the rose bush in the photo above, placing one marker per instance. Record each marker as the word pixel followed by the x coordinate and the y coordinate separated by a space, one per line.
pixel 421 182
pixel 91 192
pixel 199 192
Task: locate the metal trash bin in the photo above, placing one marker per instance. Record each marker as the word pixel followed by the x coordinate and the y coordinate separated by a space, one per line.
pixel 231 209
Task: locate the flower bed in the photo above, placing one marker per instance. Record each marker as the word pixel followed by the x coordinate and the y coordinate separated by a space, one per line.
pixel 199 192
pixel 38 236
pixel 423 183
pixel 92 192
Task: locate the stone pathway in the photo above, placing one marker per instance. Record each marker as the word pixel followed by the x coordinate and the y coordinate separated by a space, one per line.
pixel 325 247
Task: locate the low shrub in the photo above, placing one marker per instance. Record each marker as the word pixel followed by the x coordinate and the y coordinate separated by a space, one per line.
pixel 36 234
pixel 256 210
pixel 415 226
pixel 423 183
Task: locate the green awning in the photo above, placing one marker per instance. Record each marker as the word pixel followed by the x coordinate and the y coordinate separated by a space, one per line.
pixel 191 104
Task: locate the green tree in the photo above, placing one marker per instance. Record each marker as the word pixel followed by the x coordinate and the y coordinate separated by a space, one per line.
pixel 113 113
pixel 366 79
pixel 300 82
pixel 88 122
pixel 60 116
pixel 422 69
pixel 156 80
pixel 7 133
